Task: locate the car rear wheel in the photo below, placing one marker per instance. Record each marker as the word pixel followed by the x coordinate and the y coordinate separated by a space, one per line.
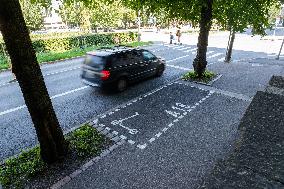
pixel 121 84
pixel 160 70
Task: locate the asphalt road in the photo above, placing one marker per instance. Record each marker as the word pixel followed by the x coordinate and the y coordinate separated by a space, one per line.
pixel 76 103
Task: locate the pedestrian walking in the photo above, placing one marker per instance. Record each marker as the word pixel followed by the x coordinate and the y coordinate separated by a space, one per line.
pixel 171 37
pixel 178 34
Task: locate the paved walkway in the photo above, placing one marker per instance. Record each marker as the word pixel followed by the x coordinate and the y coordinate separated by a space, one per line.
pixel 176 135
pixel 257 161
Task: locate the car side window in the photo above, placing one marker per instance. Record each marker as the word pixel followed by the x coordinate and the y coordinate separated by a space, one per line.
pixel 120 59
pixel 147 56
pixel 138 56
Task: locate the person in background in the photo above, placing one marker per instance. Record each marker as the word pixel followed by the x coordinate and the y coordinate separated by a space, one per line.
pixel 178 34
pixel 171 37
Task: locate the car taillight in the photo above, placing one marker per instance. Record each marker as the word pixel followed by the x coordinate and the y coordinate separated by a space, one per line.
pixel 105 74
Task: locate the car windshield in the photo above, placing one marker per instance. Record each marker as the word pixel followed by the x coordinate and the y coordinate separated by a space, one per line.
pixel 148 56
pixel 94 60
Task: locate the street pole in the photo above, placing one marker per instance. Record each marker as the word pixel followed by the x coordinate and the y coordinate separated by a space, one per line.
pixel 277 58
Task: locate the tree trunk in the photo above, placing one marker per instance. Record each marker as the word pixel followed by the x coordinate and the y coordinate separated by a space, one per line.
pixel 230 46
pixel 29 76
pixel 200 63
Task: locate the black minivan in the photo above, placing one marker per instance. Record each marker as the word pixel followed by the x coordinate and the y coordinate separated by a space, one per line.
pixel 119 66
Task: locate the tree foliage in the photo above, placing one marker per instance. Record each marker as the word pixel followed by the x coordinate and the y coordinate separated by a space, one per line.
pixel 97 14
pixel 33 14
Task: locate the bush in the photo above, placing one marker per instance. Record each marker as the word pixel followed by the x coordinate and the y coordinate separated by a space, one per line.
pixel 206 77
pixel 65 42
pixel 15 171
pixel 86 141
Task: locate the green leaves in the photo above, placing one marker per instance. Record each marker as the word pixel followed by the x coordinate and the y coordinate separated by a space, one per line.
pixel 86 141
pixel 32 11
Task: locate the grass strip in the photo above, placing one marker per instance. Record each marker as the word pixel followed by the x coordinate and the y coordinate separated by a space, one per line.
pixel 54 56
pixel 17 171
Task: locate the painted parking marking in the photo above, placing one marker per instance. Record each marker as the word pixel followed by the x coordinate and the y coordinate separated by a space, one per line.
pixel 152 140
pixel 120 123
pixel 143 146
pixel 131 142
pixel 148 128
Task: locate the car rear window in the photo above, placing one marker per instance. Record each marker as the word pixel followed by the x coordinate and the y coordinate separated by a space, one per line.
pixel 94 60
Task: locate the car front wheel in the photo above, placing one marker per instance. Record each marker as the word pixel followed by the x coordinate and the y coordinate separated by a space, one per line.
pixel 160 70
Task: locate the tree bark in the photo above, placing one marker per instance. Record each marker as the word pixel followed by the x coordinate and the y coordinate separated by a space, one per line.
pixel 200 63
pixel 26 68
pixel 230 46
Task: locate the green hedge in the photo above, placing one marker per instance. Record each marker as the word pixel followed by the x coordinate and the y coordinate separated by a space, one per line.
pixel 61 44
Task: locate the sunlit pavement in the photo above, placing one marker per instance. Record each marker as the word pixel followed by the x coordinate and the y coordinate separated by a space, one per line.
pixel 75 103
pixel 176 133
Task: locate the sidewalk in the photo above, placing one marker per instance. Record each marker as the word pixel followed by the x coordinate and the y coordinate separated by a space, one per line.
pixel 258 158
pixel 174 136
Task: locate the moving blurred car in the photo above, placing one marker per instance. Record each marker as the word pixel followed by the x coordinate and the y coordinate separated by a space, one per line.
pixel 119 66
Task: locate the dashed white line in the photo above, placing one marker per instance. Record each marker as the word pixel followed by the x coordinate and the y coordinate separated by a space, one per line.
pixel 12 110
pixel 178 47
pixel 214 55
pixel 190 50
pixel 176 120
pixel 131 142
pixel 177 58
pixel 143 146
pixel 152 140
pixel 158 135
pixel 182 49
pixel 165 129
pixel 123 137
pixel 69 92
pixel 221 59
pixel 179 67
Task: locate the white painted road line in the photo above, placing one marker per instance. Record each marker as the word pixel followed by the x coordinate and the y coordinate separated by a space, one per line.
pixel 221 59
pixel 44 75
pixel 178 67
pixel 194 49
pixel 177 58
pixel 53 97
pixel 62 71
pixel 214 55
pixel 178 47
pixel 12 110
pixel 69 92
pixel 182 49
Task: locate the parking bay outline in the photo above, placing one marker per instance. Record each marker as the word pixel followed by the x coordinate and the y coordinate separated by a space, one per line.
pixel 177 111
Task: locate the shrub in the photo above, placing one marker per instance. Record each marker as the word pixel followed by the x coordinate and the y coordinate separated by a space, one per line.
pixel 206 77
pixel 17 170
pixel 65 42
pixel 86 141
